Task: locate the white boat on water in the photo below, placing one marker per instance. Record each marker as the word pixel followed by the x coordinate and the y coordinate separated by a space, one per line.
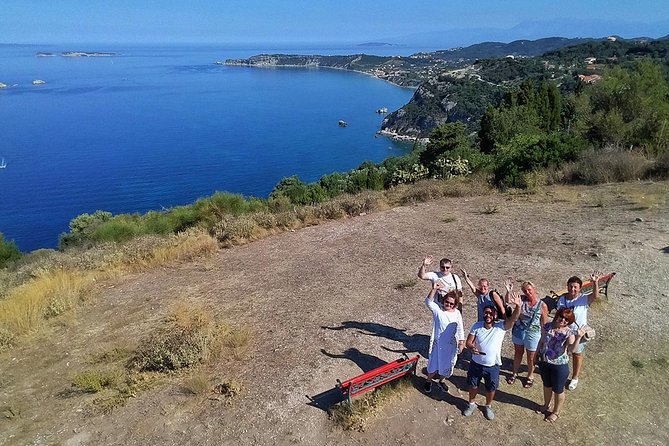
pixel 3 164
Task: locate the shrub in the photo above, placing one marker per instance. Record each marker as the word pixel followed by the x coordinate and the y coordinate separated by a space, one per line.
pixel 298 192
pixel 9 252
pixel 7 339
pixel 330 210
pixel 607 166
pixel 444 167
pixel 526 153
pixel 229 388
pixel 660 169
pixel 119 229
pixel 93 381
pixel 235 229
pixel 414 173
pixel 183 341
pixel 334 184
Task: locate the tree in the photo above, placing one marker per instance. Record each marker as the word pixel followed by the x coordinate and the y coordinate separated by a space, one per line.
pixel 446 139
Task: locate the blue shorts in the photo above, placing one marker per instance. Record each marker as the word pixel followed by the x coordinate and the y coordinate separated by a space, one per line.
pixel 476 372
pixel 554 375
pixel 528 339
pixel 581 347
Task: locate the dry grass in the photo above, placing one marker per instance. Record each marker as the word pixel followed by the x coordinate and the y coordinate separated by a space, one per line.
pixel 406 283
pixel 357 416
pixel 198 384
pixel 607 166
pixel 149 252
pixel 234 342
pixel 643 200
pixel 93 381
pixel 27 306
pixel 185 339
pixel 53 283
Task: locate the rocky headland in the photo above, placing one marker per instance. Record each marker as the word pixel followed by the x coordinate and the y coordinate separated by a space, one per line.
pixel 459 84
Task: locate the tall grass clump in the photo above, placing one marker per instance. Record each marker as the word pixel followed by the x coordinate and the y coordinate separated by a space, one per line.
pixel 608 166
pixel 185 339
pixel 151 251
pixel 26 307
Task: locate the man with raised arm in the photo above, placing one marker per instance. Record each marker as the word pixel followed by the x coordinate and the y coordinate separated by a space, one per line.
pixel 450 282
pixel 580 303
pixel 485 342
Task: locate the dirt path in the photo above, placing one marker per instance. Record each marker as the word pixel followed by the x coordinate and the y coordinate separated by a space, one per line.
pixel 322 305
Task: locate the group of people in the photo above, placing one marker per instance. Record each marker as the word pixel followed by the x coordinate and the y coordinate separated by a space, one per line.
pixel 550 343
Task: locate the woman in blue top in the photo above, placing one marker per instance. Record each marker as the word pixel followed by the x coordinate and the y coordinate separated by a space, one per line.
pixel 527 330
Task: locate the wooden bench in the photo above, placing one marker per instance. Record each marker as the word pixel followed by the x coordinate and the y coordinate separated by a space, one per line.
pixel 587 289
pixel 377 377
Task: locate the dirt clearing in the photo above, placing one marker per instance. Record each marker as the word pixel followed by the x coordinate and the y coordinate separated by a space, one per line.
pixel 322 304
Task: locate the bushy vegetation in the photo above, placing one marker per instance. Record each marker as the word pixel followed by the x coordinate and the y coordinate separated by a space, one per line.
pixel 9 252
pixel 190 335
pixel 184 340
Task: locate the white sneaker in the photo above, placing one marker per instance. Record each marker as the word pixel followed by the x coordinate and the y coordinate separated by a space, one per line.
pixel 572 384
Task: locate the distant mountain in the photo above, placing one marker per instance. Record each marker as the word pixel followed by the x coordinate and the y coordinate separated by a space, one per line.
pixel 515 48
pixel 376 44
pixel 570 28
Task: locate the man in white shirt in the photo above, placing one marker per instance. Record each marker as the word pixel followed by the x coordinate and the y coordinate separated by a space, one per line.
pixel 485 342
pixel 450 281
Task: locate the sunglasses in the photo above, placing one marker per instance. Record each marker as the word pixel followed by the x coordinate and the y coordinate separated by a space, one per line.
pixel 445 267
pixel 561 318
pixel 449 303
pixel 490 313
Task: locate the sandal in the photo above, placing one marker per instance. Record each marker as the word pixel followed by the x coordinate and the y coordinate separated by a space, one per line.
pixel 543 410
pixel 529 383
pixel 552 418
pixel 511 379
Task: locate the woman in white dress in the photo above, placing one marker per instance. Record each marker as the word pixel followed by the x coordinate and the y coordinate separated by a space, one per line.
pixel 449 337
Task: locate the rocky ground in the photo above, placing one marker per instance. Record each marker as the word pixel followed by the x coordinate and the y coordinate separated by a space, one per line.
pixel 322 305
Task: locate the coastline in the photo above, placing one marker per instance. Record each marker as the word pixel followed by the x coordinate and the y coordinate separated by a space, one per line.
pixel 409 87
pixel 400 137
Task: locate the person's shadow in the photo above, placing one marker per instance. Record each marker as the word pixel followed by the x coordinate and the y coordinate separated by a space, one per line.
pixel 458 394
pixel 416 343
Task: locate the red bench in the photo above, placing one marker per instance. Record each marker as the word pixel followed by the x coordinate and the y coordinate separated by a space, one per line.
pixel 377 377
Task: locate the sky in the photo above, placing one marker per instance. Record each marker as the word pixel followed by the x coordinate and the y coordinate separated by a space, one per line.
pixel 322 21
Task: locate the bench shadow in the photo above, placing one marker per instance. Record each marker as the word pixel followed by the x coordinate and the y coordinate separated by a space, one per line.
pixel 366 362
pixel 416 343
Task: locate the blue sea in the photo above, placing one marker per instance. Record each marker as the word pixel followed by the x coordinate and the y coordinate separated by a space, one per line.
pixel 156 127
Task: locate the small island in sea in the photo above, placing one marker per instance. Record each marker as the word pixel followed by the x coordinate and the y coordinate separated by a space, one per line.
pixel 77 54
pixel 86 54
